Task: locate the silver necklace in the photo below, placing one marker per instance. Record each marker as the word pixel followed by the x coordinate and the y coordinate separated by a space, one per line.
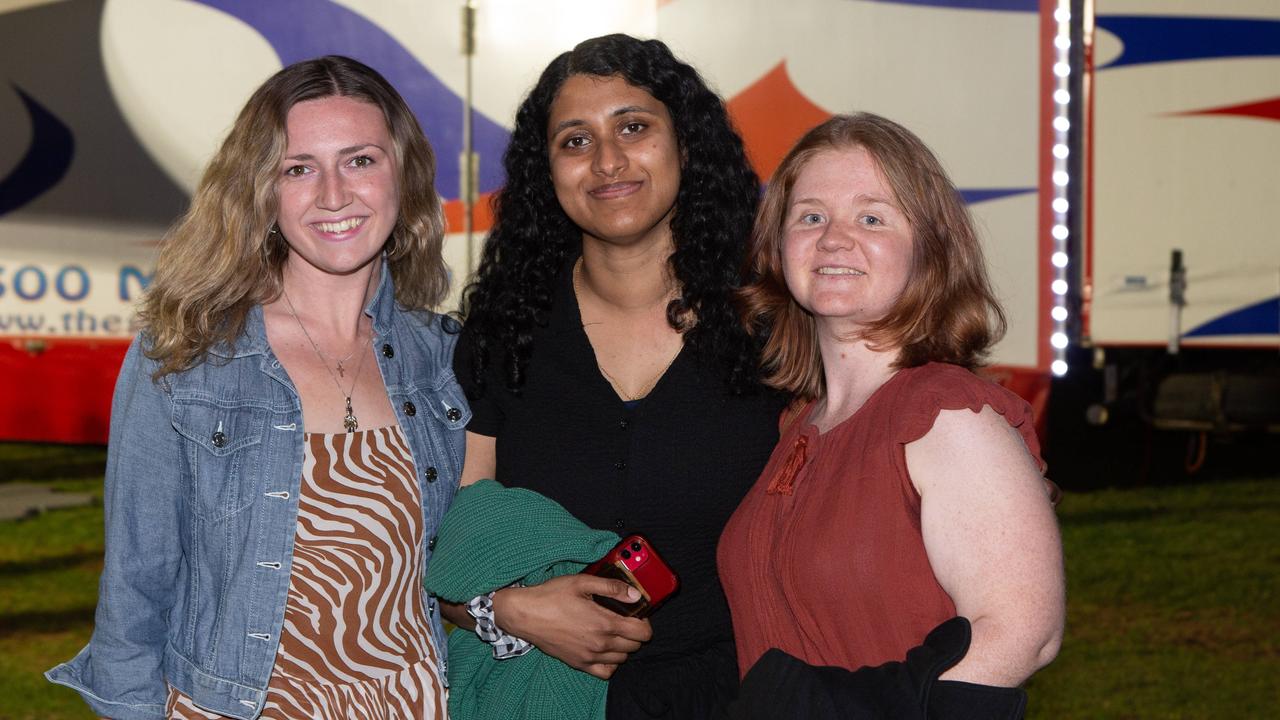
pixel 349 421
pixel 342 372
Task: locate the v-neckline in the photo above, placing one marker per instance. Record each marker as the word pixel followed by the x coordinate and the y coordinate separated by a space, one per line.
pixel 580 331
pixel 809 428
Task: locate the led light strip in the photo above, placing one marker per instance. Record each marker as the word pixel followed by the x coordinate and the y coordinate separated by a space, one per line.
pixel 1061 183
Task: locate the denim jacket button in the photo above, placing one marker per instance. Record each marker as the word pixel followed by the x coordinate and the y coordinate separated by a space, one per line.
pixel 431 473
pixel 410 409
pixel 219 439
pixel 388 351
pixel 453 414
pixel 431 544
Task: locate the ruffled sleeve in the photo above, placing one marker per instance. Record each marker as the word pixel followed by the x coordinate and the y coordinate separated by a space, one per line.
pixel 932 388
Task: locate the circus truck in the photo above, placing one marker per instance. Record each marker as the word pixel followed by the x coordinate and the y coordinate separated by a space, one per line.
pixel 1171 302
pixel 1091 140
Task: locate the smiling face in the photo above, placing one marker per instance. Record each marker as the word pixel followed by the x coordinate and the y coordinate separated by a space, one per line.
pixel 338 190
pixel 847 246
pixel 615 162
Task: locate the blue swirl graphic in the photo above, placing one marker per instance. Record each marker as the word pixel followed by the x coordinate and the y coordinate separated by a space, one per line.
pixel 1158 39
pixel 998 5
pixel 977 195
pixel 302 29
pixel 1258 319
pixel 46 161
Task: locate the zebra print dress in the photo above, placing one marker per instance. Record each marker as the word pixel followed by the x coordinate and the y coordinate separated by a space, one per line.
pixel 356 641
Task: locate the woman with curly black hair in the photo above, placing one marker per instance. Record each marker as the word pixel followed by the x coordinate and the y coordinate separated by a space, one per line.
pixel 607 366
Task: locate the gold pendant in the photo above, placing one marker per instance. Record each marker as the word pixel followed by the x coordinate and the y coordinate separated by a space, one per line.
pixel 350 422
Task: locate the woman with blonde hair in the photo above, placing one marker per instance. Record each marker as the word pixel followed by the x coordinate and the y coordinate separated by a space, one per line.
pixel 286 431
pixel 899 555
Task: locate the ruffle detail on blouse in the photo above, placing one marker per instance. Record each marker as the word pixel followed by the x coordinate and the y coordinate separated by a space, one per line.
pixel 932 388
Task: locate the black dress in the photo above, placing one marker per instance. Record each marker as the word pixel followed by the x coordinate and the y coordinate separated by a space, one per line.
pixel 673 467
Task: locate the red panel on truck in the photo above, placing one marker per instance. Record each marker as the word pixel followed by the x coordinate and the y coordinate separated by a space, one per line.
pixel 61 393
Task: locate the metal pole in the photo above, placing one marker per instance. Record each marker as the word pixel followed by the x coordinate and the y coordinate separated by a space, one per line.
pixel 1177 299
pixel 467 161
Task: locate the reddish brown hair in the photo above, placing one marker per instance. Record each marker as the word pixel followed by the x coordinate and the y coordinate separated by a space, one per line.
pixel 947 312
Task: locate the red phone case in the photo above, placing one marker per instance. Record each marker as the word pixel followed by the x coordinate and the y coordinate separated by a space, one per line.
pixel 635 562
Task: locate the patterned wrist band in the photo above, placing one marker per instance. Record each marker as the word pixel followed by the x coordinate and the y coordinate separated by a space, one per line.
pixel 504 645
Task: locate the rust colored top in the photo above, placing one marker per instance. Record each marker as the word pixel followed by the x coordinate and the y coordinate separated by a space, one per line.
pixel 824 558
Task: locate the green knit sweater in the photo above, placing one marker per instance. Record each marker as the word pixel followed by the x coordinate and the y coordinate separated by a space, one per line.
pixel 491 537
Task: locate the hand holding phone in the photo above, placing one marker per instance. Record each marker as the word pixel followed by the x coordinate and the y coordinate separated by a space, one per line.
pixel 561 619
pixel 635 562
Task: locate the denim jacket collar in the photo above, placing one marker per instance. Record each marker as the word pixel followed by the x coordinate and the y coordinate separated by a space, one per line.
pixel 253 340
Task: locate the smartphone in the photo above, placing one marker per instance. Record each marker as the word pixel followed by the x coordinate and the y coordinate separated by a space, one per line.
pixel 635 562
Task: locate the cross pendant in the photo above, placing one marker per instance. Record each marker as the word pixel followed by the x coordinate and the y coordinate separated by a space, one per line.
pixel 342 372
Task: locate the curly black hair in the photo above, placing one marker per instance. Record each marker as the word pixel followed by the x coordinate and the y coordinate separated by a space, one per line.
pixel 533 239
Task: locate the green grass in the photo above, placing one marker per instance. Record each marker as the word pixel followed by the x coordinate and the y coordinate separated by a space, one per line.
pixel 1172 609
pixel 1172 606
pixel 49 566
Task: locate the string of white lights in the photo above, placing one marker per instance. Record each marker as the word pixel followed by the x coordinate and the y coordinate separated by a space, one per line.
pixel 1061 184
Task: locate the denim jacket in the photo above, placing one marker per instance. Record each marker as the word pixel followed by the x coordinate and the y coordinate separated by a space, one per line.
pixel 201 502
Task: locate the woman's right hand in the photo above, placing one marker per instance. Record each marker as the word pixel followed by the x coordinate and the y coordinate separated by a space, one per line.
pixel 562 620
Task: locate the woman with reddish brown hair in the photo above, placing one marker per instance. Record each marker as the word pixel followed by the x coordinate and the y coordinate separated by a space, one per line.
pixel 901 533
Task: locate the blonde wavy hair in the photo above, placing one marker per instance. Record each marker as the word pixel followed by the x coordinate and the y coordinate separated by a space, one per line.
pixel 221 259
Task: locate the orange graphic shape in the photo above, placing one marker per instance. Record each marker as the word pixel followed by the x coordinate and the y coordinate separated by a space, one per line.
pixel 1265 109
pixel 482 215
pixel 771 114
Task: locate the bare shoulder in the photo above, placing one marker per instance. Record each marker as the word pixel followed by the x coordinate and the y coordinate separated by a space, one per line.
pixel 965 446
